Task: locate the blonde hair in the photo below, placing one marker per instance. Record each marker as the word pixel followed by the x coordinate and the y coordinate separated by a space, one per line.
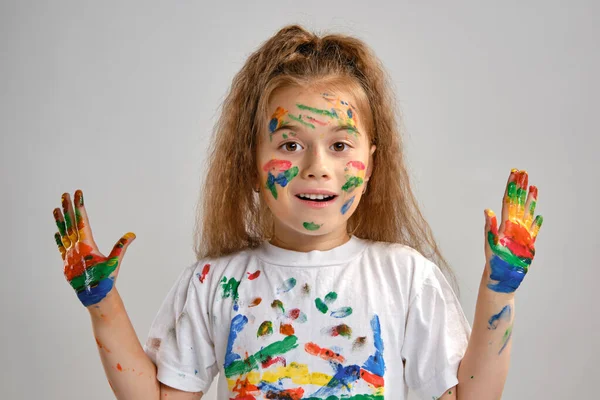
pixel 232 217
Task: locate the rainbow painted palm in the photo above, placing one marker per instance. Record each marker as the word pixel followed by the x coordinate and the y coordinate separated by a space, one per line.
pixel 90 273
pixel 511 251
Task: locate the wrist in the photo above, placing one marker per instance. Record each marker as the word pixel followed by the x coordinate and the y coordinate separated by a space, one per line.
pixel 106 308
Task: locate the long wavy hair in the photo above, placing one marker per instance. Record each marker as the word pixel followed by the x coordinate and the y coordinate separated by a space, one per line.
pixel 232 217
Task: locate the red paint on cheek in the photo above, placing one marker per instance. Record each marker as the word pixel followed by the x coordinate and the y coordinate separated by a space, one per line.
pixel 356 164
pixel 277 165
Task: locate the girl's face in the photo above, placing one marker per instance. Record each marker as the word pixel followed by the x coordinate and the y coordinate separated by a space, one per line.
pixel 313 159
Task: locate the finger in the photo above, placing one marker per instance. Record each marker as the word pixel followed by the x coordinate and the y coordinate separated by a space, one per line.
pixel 121 246
pixel 59 243
pixel 522 184
pixel 60 223
pixel 491 227
pixel 69 217
pixel 535 227
pixel 530 205
pixel 507 202
pixel 82 221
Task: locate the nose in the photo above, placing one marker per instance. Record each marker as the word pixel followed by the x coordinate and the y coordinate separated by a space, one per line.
pixel 316 165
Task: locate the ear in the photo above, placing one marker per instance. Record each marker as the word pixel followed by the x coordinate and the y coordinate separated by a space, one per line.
pixel 370 167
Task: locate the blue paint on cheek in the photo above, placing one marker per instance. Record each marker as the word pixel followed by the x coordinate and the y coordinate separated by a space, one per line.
pixel 93 295
pixel 509 277
pixel 237 325
pixel 347 205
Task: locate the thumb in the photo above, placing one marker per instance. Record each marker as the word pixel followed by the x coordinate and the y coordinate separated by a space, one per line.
pixel 121 246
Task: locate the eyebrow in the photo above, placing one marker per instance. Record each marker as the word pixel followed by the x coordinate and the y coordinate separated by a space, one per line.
pixel 335 128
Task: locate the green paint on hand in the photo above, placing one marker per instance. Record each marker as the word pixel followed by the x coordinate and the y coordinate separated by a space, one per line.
pixel 95 274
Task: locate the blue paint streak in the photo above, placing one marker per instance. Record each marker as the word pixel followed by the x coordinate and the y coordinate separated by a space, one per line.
pixel 376 364
pixel 273 124
pixel 505 313
pixel 93 295
pixel 347 205
pixel 342 379
pixel 237 325
pixel 509 277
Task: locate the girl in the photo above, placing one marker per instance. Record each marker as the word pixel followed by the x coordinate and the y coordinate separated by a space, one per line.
pixel 311 280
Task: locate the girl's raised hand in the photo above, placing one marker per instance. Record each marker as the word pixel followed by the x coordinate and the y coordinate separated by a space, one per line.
pixel 90 273
pixel 510 249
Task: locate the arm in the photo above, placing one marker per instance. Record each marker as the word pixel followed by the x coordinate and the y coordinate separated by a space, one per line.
pixel 130 372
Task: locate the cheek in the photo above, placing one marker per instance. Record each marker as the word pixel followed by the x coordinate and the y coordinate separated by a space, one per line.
pixel 277 174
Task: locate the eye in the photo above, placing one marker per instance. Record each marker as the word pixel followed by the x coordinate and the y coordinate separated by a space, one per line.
pixel 290 147
pixel 336 146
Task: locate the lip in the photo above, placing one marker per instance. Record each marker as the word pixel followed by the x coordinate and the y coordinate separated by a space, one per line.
pixel 316 204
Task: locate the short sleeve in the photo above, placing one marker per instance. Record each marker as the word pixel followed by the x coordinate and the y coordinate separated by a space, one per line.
pixel 179 341
pixel 436 336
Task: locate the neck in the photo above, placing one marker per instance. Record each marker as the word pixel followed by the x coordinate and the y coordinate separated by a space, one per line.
pixel 292 240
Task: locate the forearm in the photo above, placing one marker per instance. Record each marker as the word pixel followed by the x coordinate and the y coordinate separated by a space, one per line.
pixel 483 370
pixel 129 371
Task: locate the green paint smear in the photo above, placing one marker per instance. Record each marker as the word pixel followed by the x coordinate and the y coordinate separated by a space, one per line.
pixel 230 288
pixel 299 119
pixel 507 255
pixel 539 220
pixel 330 297
pixel 277 304
pixel 321 306
pixel 344 330
pixel 266 328
pixel 352 182
pixel 244 366
pixel 285 136
pixel 532 207
pixel 290 173
pixel 317 111
pixel 95 274
pixel 311 226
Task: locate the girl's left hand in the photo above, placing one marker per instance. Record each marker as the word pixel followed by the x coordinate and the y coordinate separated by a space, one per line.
pixel 509 250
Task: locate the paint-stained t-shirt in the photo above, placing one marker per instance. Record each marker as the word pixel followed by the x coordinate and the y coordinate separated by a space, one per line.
pixel 364 320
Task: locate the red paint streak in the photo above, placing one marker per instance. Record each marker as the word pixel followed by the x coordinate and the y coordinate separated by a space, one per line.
pixel 204 273
pixel 101 346
pixel 316 121
pixel 277 165
pixel 371 378
pixel 254 275
pixel 286 329
pixel 270 361
pixel 119 367
pixel 356 164
pixel 322 352
pixel 534 190
pixel 294 313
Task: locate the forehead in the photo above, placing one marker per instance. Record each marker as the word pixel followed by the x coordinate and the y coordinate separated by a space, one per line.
pixel 294 96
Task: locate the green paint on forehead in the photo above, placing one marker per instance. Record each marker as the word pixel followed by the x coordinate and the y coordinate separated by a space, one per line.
pixel 318 111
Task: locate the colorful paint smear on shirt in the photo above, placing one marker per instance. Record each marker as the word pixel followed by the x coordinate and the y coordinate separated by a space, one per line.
pixel 513 251
pixel 280 172
pixel 205 271
pixel 252 276
pixel 287 286
pixel 262 374
pixel 230 289
pixel 354 173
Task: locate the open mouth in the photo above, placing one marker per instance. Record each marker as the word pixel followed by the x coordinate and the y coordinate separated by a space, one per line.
pixel 317 198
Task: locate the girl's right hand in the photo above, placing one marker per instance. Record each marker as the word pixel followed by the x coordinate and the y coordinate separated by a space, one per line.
pixel 91 274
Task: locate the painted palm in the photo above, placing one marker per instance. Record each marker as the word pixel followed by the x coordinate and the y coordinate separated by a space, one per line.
pixel 91 274
pixel 510 249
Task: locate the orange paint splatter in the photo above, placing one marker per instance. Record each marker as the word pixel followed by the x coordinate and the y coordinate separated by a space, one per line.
pixel 286 329
pixel 324 353
pixel 119 367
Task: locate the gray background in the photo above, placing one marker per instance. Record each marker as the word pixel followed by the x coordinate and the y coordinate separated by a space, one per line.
pixel 118 99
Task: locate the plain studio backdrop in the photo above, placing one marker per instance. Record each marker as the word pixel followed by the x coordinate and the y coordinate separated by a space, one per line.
pixel 119 98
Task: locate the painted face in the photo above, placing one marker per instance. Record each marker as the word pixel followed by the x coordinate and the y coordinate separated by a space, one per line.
pixel 313 160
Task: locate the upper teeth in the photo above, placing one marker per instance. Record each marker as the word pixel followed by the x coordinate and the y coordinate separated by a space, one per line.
pixel 315 196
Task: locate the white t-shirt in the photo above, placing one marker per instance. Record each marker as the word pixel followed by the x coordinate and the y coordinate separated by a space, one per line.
pixel 281 324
